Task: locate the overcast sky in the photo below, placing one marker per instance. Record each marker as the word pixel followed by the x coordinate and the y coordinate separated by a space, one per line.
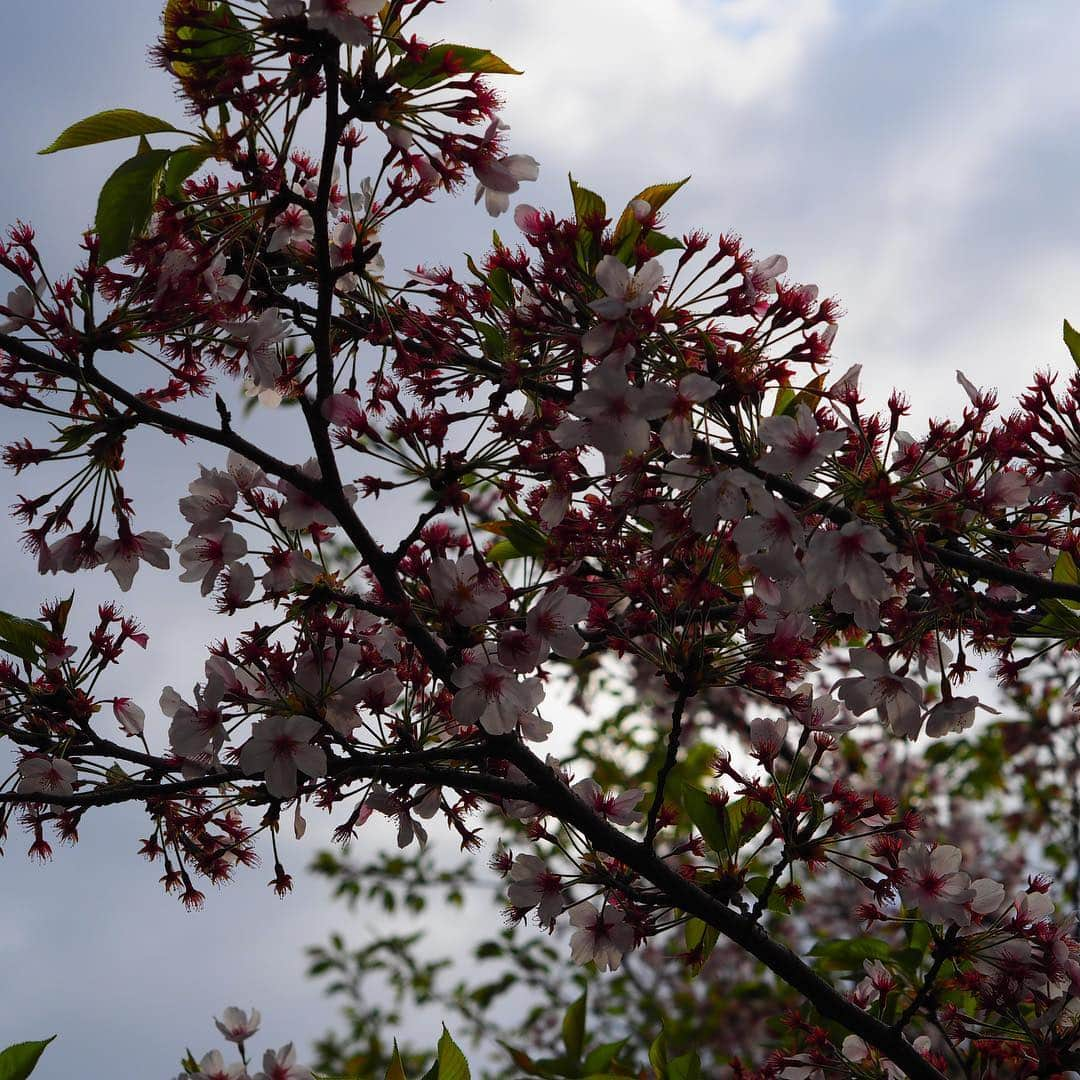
pixel 915 158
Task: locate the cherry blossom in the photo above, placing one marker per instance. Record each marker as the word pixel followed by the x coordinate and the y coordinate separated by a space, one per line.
pixel 130 717
pixel 204 557
pixel 461 589
pixel 121 557
pixel 952 715
pixel 676 404
pixel 614 414
pixel 498 179
pixel 213 1067
pixel 722 497
pixel 618 809
pixel 767 738
pixel 936 885
pixel 196 730
pixel 259 339
pixel 601 936
pixel 238 1026
pixel 211 500
pixel 292 226
pixel 551 623
pixel 282 1064
pixel 841 562
pixel 897 699
pixel 279 747
pixel 533 885
pixel 796 445
pixel 624 292
pixel 300 510
pixel 498 175
pixel 21 305
pixel 344 19
pixel 493 697
pixel 46 775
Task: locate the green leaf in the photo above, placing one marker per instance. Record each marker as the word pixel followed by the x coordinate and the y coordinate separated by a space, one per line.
pixel 22 638
pixel 850 954
pixel 203 47
pixel 461 59
pixel 1066 573
pixel 723 827
pixel 106 126
pixel 573 1029
pixel 588 206
pixel 182 164
pixel 521 1059
pixel 494 341
pixel 1072 342
pixel 126 202
pixel 396 1071
pixel 519 539
pixel 687 1067
pixel 658 243
pixel 17 1062
pixel 658 1056
pixel 599 1060
pixel 655 195
pixel 701 939
pixel 452 1063
pixel 757 885
pixel 501 288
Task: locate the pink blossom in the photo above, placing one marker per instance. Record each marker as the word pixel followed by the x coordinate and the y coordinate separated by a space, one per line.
pixel 130 717
pixel 625 291
pixel 798 447
pixel 344 19
pixel 236 1025
pixel 499 178
pixel 532 884
pixel 952 715
pixel 463 590
pixel 378 692
pixel 843 560
pixel 258 339
pixel 492 696
pixel 121 557
pixel 935 884
pixel 196 730
pixel 1007 487
pixel 301 510
pixel 211 499
pixel 614 416
pixel 279 747
pixel 602 937
pixel 204 557
pixel 282 1065
pixel 551 621
pixel 213 1067
pixel 897 699
pixel 46 775
pixel 766 539
pixel 286 568
pixel 767 738
pixel 21 305
pixel 676 404
pixel 618 809
pixel 723 497
pixel 292 226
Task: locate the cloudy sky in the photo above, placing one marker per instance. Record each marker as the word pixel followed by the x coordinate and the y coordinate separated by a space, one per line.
pixel 915 158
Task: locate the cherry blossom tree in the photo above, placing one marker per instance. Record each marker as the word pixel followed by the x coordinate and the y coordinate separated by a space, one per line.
pixel 629 454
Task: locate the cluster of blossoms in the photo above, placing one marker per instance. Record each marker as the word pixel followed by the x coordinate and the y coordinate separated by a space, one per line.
pixel 630 445
pixel 238 1027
